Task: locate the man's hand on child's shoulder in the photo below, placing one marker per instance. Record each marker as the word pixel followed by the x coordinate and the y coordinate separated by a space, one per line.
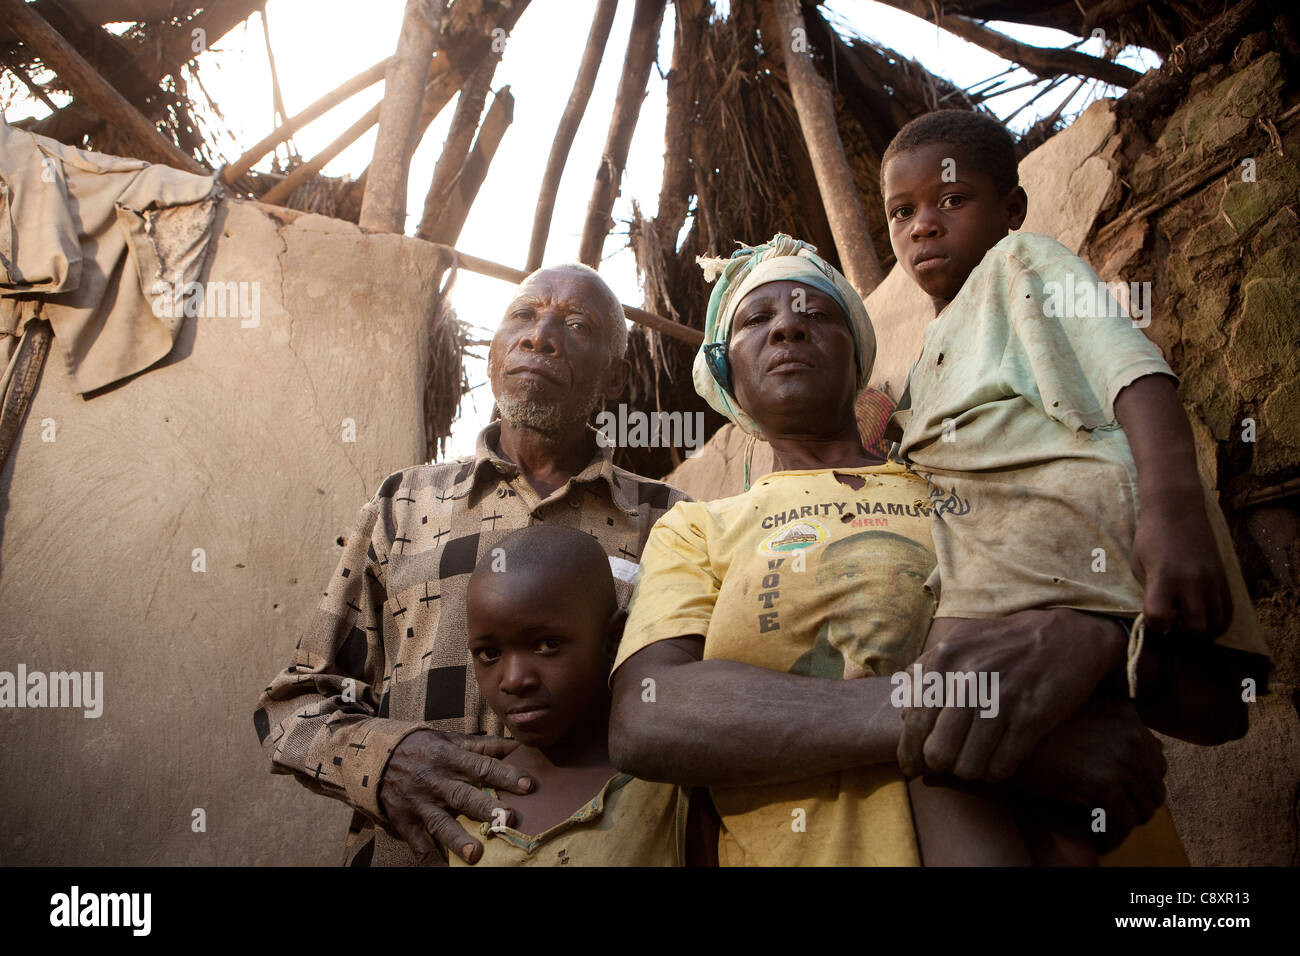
pixel 432 776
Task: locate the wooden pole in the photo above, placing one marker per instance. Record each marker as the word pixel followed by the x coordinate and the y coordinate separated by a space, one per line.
pixel 465 189
pixel 446 73
pixel 284 189
pixel 666 326
pixel 438 93
pixel 383 207
pixel 1040 61
pixel 642 47
pixel 462 56
pixel 166 55
pixel 279 115
pixel 568 128
pixel 290 126
pixel 816 108
pixel 89 86
pixel 681 119
pixel 455 149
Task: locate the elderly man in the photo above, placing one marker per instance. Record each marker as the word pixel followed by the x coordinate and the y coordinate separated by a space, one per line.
pixel 378 707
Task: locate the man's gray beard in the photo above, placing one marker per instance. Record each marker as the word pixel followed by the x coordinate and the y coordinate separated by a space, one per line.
pixel 548 418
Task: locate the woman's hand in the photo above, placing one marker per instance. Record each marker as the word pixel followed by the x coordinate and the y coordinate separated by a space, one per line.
pixel 1047 664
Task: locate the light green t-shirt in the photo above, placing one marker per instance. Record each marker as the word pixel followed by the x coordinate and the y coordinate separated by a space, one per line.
pixel 1010 414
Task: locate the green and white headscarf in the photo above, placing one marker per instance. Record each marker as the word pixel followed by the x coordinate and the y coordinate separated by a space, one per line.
pixel 779 259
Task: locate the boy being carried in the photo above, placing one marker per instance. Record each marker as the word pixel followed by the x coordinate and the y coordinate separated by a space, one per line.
pixel 1042 417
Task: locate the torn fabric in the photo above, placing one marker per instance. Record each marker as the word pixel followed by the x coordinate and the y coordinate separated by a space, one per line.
pixel 90 242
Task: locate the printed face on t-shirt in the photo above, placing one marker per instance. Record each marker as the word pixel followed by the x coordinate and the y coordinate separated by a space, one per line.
pixel 880 612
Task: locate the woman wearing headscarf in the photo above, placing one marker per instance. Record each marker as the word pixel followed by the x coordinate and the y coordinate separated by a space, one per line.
pixel 817 571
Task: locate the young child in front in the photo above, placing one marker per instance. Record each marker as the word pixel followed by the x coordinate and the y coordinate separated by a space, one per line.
pixel 1041 416
pixel 543 627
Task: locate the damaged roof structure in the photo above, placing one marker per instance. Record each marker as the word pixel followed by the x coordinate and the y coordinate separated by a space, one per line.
pixel 133 92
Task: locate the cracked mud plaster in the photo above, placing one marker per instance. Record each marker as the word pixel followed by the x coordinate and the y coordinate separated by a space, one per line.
pixel 331 432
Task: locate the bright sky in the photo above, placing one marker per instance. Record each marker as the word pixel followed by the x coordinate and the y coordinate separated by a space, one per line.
pixel 319 45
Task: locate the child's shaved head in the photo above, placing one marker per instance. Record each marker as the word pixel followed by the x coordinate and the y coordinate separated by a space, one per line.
pixel 980 140
pixel 568 561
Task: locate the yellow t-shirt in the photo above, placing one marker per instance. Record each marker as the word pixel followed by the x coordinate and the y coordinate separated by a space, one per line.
pixel 806 574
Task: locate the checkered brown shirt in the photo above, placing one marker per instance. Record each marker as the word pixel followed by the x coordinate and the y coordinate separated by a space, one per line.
pixel 385 652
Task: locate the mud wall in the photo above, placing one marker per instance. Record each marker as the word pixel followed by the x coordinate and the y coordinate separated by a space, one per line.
pixel 238 445
pixel 1208 216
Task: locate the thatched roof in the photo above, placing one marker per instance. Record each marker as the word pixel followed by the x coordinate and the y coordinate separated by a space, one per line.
pixel 1160 26
pixel 144 63
pixel 736 165
pixel 750 176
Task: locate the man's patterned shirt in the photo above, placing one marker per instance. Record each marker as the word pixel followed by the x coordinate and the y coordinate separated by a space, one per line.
pixel 386 651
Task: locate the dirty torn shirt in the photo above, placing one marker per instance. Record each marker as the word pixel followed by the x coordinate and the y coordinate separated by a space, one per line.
pixel 386 650
pixel 104 247
pixel 1009 413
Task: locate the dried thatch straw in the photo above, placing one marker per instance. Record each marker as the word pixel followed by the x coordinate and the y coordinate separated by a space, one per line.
pixel 446 382
pixel 736 171
pixel 327 196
